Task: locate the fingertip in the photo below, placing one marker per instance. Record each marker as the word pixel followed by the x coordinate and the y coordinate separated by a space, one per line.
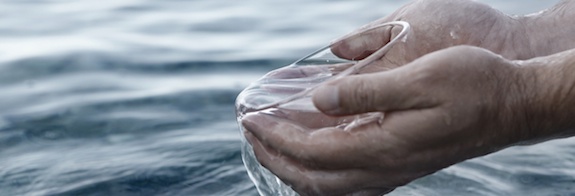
pixel 249 123
pixel 351 48
pixel 326 99
pixel 257 124
pixel 339 49
pixel 362 43
pixel 349 95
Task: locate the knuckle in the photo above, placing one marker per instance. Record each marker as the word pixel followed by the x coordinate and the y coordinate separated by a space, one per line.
pixel 361 97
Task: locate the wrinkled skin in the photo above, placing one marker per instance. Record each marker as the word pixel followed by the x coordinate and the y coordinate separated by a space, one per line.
pixel 426 128
pixel 442 106
pixel 438 24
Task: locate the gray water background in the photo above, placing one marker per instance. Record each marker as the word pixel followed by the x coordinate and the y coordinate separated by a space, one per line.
pixel 136 97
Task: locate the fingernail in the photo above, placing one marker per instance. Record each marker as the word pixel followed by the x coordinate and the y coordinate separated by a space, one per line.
pixel 326 98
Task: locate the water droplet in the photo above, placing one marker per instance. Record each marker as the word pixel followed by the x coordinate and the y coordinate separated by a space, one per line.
pixel 453 35
pixel 404 38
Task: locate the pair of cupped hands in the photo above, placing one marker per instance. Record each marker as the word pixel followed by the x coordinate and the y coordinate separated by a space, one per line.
pixel 443 103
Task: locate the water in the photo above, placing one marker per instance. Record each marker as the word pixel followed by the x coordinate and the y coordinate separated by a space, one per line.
pixel 136 97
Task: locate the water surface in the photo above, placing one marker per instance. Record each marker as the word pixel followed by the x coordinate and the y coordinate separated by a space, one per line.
pixel 136 97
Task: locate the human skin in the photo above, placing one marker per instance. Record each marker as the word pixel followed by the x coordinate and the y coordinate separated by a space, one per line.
pixel 442 106
pixel 431 122
pixel 439 24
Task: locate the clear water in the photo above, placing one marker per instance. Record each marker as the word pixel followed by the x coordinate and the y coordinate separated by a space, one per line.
pixel 271 89
pixel 136 97
pixel 279 85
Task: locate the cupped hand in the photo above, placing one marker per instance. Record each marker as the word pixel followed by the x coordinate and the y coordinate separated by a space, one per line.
pixel 435 25
pixel 434 117
pixel 441 109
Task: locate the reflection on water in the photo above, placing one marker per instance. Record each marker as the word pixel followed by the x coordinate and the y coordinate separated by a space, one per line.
pixel 136 97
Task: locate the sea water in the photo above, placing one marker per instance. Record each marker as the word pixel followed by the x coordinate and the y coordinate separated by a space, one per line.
pixel 546 168
pixel 136 97
pixel 289 90
pixel 273 87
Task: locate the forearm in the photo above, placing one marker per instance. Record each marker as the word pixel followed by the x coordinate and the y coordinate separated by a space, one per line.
pixel 551 31
pixel 549 94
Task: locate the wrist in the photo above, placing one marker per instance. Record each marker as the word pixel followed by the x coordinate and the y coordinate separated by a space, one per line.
pixel 546 97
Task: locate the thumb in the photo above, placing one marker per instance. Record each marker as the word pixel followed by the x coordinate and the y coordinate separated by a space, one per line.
pixel 360 44
pixel 383 92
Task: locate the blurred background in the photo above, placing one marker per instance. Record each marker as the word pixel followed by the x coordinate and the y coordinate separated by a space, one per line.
pixel 136 97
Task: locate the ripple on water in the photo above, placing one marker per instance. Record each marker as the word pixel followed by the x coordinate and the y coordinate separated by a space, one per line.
pixel 135 97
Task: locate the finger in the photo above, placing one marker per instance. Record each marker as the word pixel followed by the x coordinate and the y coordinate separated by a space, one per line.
pixel 308 181
pixel 397 89
pixel 283 88
pixel 325 148
pixel 357 46
pixel 360 43
pixel 416 85
pixel 423 136
pixel 310 119
pixel 418 127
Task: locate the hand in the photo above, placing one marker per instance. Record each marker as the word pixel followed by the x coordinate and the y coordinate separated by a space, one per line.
pixel 439 24
pixel 469 23
pixel 444 108
pixel 310 119
pixel 441 109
